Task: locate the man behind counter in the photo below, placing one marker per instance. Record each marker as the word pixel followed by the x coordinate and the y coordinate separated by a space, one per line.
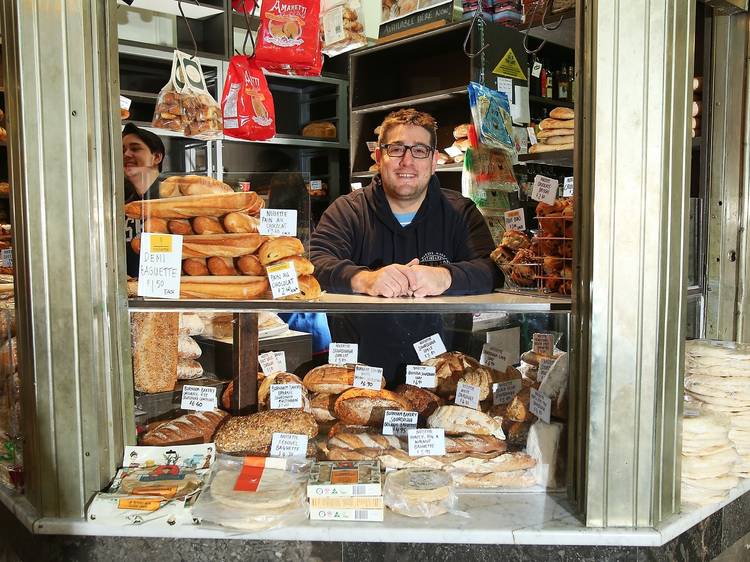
pixel 142 158
pixel 401 236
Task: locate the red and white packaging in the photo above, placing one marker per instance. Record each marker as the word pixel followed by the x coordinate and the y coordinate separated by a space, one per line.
pixel 246 104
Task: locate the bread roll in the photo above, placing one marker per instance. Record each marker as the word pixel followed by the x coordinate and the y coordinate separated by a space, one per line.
pixel 557 124
pixel 224 287
pixel 188 348
pixel 221 266
pixel 198 427
pixel 155 225
pixel 250 265
pixel 309 289
pixel 462 144
pixel 191 324
pixel 188 369
pixel 207 225
pixel 154 337
pixel 360 406
pixel 176 186
pixel 241 223
pixel 180 226
pixel 562 113
pixel 221 245
pixel 252 435
pixel 195 206
pixel 195 266
pixel 275 249
pixel 302 265
pixel 320 129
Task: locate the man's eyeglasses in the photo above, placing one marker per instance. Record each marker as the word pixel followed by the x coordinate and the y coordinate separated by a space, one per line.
pixel 397 150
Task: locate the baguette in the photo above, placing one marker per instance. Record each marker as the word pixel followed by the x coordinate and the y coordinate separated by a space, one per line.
pixel 241 222
pixel 180 226
pixel 468 443
pixel 339 427
pixel 176 186
pixel 155 225
pixel 195 266
pixel 250 265
pixel 562 113
pixel 223 287
pixel 275 249
pixel 221 266
pixel 207 225
pixel 302 265
pixel 364 441
pixel 363 454
pixel 537 148
pixel 557 124
pixel 220 245
pixel 195 206
pixel 309 289
pixel 360 406
pixel 198 427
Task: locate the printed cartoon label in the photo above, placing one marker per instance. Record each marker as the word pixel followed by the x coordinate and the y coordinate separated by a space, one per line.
pixel 285 23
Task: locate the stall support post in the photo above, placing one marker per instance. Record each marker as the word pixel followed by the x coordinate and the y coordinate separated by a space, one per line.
pixel 633 156
pixel 61 80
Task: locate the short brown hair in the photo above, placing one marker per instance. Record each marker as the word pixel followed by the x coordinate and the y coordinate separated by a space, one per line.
pixel 409 116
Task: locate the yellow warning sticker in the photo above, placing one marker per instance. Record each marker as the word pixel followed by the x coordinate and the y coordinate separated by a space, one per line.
pixel 509 66
pixel 161 243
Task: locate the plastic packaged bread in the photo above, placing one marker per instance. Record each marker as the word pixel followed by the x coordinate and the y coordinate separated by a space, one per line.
pixel 195 206
pixel 417 492
pixel 176 186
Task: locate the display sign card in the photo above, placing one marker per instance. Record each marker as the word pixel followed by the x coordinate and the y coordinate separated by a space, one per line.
pixel 288 445
pixel 543 344
pixel 160 266
pixel 493 357
pixel 422 376
pixel 504 392
pixel 544 366
pixel 199 398
pixel 368 377
pixel 342 353
pixel 536 70
pixel 452 151
pixel 125 103
pixel 540 405
pixel 281 359
pixel 283 279
pixel 515 220
pixel 278 222
pixel 285 396
pixel 467 395
pixel 429 347
pixel 423 442
pixel 545 189
pixel 6 256
pixel 568 187
pixel 270 363
pixel 398 423
pixel 532 135
pixel 505 85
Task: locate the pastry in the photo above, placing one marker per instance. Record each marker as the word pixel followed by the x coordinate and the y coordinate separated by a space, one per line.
pixel 302 265
pixel 275 249
pixel 515 240
pixel 359 406
pixel 309 288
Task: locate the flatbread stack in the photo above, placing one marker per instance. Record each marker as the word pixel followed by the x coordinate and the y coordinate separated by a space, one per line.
pixel 557 132
pixel 717 375
pixel 708 459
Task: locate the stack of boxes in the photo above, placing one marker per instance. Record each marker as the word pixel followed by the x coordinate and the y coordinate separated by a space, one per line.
pixel 345 491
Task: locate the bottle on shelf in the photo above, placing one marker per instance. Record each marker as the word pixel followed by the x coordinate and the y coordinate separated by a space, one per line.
pixel 543 79
pixel 571 83
pixel 562 84
pixel 549 90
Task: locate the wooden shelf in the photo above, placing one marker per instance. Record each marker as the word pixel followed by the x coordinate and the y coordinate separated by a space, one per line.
pixel 170 7
pixel 555 158
pixel 440 95
pixel 550 102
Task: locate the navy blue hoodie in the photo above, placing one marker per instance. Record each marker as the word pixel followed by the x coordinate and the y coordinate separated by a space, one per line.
pixel 358 232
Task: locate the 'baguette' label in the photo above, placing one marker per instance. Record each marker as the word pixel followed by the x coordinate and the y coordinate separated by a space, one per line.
pixel 429 347
pixel 424 442
pixel 288 445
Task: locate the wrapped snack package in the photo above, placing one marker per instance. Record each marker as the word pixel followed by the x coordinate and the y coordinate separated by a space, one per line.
pixel 490 113
pixel 417 492
pixel 342 26
pixel 246 104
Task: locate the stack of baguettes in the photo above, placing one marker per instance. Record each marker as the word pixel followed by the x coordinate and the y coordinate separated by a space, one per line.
pixel 556 132
pixel 224 256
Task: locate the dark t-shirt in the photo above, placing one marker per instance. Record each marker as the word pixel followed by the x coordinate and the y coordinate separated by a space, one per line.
pixel 134 227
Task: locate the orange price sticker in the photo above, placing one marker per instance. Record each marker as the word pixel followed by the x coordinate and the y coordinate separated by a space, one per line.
pixel 151 504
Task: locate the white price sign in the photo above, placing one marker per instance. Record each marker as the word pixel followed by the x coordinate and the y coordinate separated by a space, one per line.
pixel 453 151
pixel 269 363
pixel 544 366
pixel 283 279
pixel 545 189
pixel 368 377
pixel 160 266
pixel 342 353
pixel 288 445
pixel 532 135
pixel 568 190
pixel 399 423
pixel 422 376
pixel 515 220
pixel 493 357
pixel 536 70
pixel 285 396
pixel 125 103
pixel 504 392
pixel 6 256
pixel 467 395
pixel 200 398
pixel 429 347
pixel 540 405
pixel 542 344
pixel 278 222
pixel 424 442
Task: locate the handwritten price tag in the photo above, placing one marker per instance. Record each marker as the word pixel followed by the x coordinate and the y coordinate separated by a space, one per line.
pixel 515 220
pixel 399 423
pixel 545 189
pixel 160 266
pixel 429 347
pixel 540 405
pixel 200 398
pixel 285 396
pixel 493 357
pixel 568 189
pixel 269 363
pixel 6 256
pixel 342 353
pixel 423 442
pixel 504 392
pixel 544 366
pixel 422 376
pixel 278 222
pixel 368 377
pixel 283 279
pixel 288 445
pixel 467 395
pixel 542 344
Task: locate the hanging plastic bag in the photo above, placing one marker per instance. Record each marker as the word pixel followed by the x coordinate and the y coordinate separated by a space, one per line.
pixel 247 104
pixel 343 27
pixel 289 37
pixel 490 112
